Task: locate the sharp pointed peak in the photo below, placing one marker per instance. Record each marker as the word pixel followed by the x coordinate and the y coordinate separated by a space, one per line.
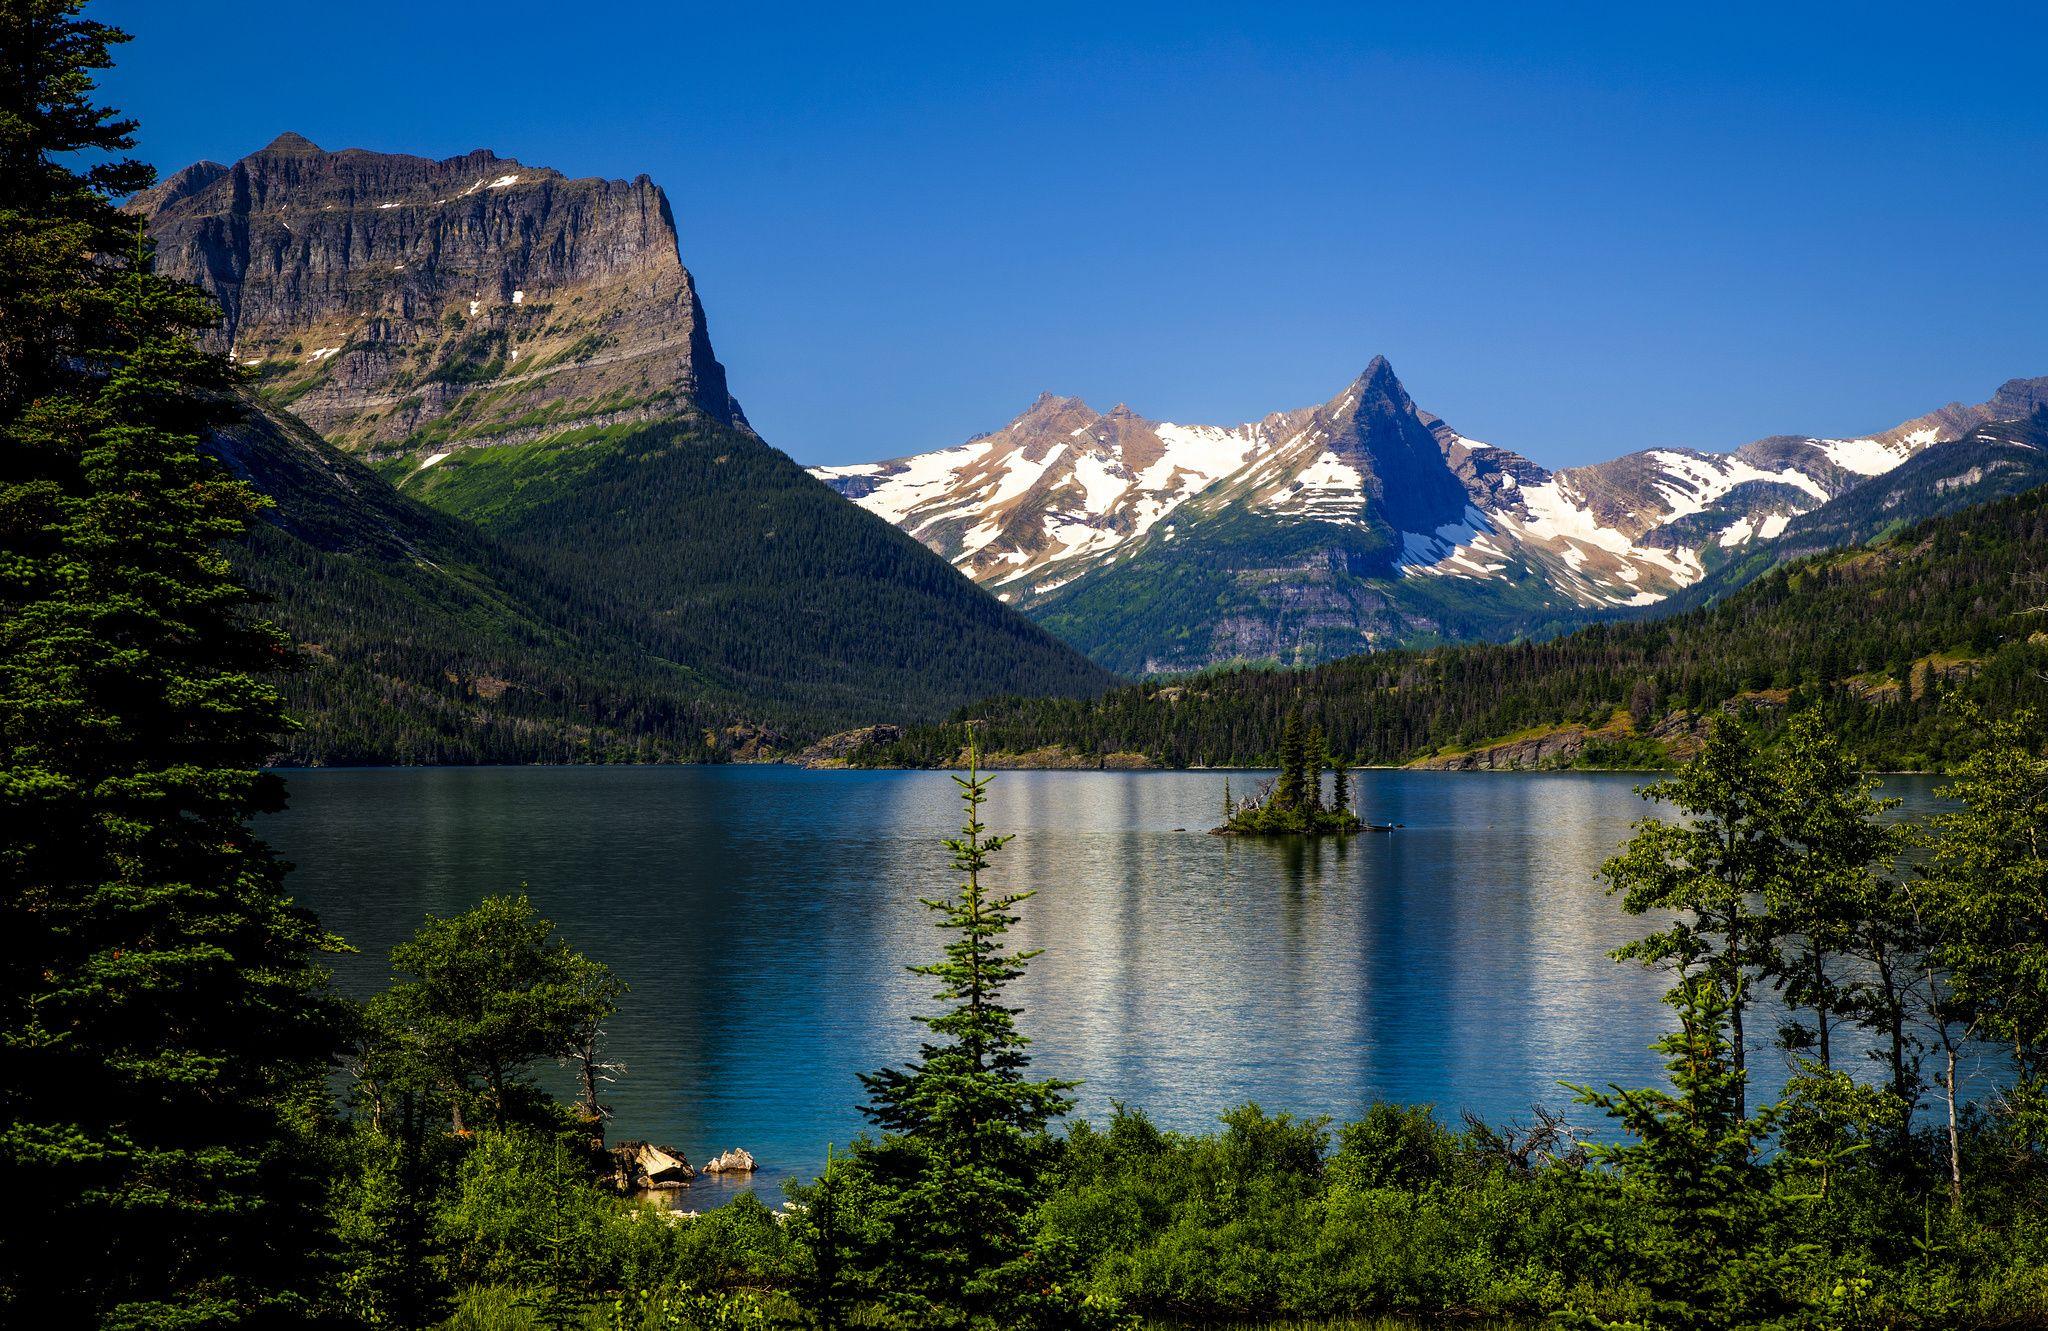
pixel 1047 404
pixel 289 142
pixel 1379 373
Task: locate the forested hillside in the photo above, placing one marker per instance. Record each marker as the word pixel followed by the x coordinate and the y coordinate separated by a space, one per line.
pixel 422 641
pixel 1883 637
pixel 427 640
pixel 717 550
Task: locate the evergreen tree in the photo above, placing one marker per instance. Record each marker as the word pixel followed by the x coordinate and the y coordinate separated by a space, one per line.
pixel 1709 871
pixel 965 1144
pixel 1318 763
pixel 163 1006
pixel 1340 787
pixel 1697 1194
pixel 1291 785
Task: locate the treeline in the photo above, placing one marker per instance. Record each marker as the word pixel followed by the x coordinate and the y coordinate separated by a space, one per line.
pixel 1880 638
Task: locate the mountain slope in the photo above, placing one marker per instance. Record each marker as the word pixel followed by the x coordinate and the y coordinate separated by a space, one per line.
pixel 1990 462
pixel 1363 523
pixel 527 354
pixel 1885 637
pixel 426 642
pixel 718 549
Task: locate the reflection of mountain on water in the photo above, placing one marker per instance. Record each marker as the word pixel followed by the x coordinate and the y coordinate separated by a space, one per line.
pixel 763 917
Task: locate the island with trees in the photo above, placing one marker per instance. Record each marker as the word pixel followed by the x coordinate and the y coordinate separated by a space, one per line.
pixel 1292 803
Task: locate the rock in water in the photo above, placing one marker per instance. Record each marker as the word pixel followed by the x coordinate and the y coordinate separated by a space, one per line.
pixel 732 1162
pixel 643 1167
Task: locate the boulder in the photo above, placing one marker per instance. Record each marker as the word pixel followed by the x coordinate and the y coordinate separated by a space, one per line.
pixel 732 1162
pixel 645 1167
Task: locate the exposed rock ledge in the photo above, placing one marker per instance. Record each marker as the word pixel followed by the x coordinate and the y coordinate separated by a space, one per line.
pixel 645 1167
pixel 834 750
pixel 838 751
pixel 1553 748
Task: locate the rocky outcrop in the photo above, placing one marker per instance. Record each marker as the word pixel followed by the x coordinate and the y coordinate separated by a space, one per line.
pixel 834 750
pixel 746 742
pixel 645 1167
pixel 402 305
pixel 1057 758
pixel 731 1162
pixel 1553 748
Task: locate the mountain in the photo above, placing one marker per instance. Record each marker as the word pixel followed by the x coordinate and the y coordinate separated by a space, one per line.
pixel 398 304
pixel 1364 523
pixel 1989 462
pixel 1884 637
pixel 524 357
pixel 424 641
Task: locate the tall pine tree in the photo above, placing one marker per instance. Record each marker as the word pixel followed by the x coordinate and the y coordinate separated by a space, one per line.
pixel 965 1142
pixel 163 1011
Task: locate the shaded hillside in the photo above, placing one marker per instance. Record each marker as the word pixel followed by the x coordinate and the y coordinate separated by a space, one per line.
pixel 1881 636
pixel 716 549
pixel 426 642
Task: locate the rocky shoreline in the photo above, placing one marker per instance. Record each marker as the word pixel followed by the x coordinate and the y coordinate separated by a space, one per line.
pixel 641 1166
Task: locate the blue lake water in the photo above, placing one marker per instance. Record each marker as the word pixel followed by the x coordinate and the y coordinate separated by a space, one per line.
pixel 763 917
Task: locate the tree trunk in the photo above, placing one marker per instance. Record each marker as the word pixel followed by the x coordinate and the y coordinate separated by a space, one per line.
pixel 1955 1151
pixel 593 1113
pixel 1820 1005
pixel 1735 999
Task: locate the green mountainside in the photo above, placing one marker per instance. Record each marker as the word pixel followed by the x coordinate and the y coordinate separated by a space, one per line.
pixel 424 641
pixel 666 592
pixel 716 548
pixel 1881 636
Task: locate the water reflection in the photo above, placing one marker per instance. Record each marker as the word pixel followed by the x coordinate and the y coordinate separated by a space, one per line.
pixel 763 917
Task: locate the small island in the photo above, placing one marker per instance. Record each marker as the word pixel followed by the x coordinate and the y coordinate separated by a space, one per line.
pixel 1292 804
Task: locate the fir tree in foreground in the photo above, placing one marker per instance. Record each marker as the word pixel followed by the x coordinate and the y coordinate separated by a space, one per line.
pixel 1700 1199
pixel 943 1235
pixel 166 1024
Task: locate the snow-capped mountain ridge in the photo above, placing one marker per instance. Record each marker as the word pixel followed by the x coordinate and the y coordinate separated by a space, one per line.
pixel 1044 505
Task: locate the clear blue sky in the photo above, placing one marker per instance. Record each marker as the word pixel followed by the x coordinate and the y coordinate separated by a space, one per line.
pixel 1574 231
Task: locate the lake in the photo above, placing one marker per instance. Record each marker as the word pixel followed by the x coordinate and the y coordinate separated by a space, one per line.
pixel 763 917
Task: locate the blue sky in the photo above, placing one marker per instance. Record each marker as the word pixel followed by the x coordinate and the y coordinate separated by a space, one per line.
pixel 1575 231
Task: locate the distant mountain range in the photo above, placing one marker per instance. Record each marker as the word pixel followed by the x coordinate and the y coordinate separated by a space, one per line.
pixel 518 514
pixel 1362 523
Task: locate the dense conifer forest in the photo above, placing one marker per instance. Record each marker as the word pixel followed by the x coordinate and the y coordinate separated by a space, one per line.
pixel 1880 637
pixel 423 641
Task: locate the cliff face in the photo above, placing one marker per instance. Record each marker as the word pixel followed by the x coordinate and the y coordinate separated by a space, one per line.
pixel 400 305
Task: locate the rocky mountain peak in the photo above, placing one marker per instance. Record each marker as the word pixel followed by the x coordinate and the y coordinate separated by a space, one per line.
pixel 2017 399
pixel 288 142
pixel 401 304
